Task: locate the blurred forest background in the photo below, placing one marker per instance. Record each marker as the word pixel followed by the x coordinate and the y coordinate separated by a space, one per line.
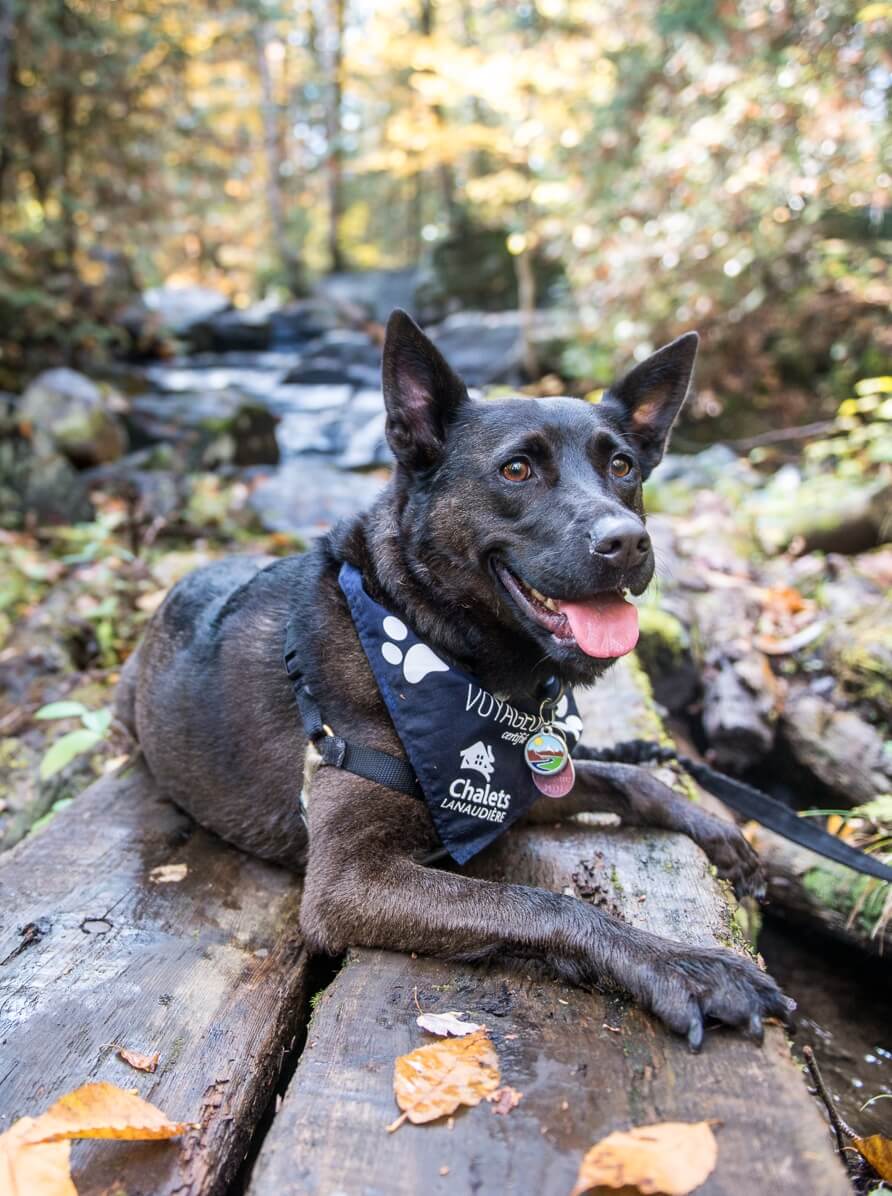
pixel 649 166
pixel 207 210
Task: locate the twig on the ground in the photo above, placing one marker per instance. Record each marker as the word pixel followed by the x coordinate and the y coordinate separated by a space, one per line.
pixel 844 1133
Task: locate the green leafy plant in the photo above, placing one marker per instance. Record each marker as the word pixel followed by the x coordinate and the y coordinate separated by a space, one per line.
pixel 93 729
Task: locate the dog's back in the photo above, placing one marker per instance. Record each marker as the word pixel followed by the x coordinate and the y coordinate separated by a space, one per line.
pixel 218 634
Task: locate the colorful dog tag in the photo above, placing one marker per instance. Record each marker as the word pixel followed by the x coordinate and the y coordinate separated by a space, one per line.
pixel 546 752
pixel 548 759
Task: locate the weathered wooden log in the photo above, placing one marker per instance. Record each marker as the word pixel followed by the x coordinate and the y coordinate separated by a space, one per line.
pixel 94 954
pixel 847 754
pixel 812 891
pixel 586 1063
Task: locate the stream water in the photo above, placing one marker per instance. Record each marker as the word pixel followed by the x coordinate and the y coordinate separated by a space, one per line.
pixel 845 1015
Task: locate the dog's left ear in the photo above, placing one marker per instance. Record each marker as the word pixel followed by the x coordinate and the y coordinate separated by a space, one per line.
pixel 646 402
pixel 421 393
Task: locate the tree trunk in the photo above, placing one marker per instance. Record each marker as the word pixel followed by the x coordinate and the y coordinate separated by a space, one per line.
pixel 7 27
pixel 66 116
pixel 526 305
pixel 334 49
pixel 445 172
pixel 288 259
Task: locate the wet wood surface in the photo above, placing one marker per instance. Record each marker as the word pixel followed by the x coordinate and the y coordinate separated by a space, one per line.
pixel 587 1064
pixel 208 971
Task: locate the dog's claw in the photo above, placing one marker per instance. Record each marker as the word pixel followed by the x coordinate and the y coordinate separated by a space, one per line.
pixel 695 1034
pixel 686 986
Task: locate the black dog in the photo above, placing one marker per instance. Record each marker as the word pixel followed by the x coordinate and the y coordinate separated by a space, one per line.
pixel 504 540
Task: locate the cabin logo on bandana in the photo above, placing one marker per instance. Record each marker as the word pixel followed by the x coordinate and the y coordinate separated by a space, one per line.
pixel 465 744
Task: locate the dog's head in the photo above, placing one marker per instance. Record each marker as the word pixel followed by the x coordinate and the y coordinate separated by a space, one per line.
pixel 526 514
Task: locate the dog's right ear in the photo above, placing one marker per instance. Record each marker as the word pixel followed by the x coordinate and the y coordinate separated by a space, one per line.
pixel 421 393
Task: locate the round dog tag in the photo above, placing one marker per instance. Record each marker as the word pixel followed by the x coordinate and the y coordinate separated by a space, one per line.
pixel 546 752
pixel 557 784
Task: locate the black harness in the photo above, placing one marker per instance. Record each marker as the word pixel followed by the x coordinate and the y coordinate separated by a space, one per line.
pixel 391 772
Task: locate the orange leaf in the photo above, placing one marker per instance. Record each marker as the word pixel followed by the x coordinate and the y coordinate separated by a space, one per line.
pixel 878 1152
pixel 27 1170
pixel 434 1080
pixel 103 1111
pixel 673 1157
pixel 140 1062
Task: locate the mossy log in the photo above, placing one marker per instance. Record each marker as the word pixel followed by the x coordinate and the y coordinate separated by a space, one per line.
pixel 816 892
pixel 827 514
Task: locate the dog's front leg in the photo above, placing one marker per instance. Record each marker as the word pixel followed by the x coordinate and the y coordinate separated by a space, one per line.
pixel 363 888
pixel 641 799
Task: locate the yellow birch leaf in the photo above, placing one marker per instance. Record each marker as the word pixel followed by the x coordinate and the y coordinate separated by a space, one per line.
pixel 103 1111
pixel 28 1170
pixel 434 1080
pixel 878 1152
pixel 673 1157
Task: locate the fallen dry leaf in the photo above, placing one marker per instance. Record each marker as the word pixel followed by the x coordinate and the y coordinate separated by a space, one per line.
pixel 27 1170
pixel 673 1157
pixel 505 1099
pixel 434 1080
pixel 103 1111
pixel 878 1152
pixel 446 1025
pixel 168 874
pixel 140 1062
pixel 34 1151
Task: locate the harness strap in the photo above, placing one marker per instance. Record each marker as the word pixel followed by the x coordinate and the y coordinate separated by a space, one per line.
pixel 750 802
pixel 380 767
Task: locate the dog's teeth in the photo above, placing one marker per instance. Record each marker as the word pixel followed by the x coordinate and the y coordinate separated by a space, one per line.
pixel 539 597
pixel 550 603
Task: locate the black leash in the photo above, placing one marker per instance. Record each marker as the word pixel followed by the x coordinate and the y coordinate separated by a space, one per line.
pixel 394 773
pixel 751 803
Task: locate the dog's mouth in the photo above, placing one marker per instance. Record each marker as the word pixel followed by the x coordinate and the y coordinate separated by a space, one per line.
pixel 603 626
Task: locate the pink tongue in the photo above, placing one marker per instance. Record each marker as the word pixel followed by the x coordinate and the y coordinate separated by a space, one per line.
pixel 604 626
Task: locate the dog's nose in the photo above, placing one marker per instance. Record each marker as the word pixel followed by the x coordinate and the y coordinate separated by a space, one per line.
pixel 619 540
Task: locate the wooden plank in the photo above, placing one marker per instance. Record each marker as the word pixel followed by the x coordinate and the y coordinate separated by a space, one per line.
pixel 210 972
pixel 586 1063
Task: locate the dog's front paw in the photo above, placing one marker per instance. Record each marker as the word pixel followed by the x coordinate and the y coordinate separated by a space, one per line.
pixel 725 847
pixel 684 986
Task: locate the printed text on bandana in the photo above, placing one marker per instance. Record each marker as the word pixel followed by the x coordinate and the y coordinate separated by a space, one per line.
pixel 465 744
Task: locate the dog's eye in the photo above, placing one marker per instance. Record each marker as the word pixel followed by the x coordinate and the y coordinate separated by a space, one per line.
pixel 621 466
pixel 516 470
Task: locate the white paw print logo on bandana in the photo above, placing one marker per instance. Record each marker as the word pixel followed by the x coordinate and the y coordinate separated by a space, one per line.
pixel 571 724
pixel 418 661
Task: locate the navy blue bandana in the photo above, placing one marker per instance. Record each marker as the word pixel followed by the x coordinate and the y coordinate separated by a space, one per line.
pixel 465 744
